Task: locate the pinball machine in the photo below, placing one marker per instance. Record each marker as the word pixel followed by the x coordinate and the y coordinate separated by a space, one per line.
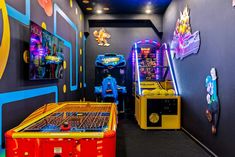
pixel 157 105
pixel 76 129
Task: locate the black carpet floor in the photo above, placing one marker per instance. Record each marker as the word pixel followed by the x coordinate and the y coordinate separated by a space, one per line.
pixel 135 142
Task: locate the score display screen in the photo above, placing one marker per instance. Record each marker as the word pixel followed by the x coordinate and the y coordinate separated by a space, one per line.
pixel 147 59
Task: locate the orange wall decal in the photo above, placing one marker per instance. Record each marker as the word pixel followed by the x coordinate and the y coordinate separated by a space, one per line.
pixel 47 6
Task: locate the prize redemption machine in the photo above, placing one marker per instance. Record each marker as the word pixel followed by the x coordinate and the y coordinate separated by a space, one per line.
pixel 66 129
pixel 156 104
pixel 110 74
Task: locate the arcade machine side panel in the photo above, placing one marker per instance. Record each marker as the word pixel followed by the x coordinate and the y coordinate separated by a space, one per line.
pixel 137 109
pixel 49 147
pixel 64 143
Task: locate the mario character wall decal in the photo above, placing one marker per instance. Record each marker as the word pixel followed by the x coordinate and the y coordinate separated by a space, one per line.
pixel 212 111
pixel 101 37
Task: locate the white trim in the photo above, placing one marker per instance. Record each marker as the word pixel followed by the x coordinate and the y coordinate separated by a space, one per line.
pixel 201 144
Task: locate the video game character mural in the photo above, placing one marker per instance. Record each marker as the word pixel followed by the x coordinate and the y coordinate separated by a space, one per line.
pixel 47 5
pixel 212 111
pixel 184 42
pixel 101 37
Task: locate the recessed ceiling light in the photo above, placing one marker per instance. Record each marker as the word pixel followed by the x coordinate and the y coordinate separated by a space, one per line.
pixel 89 9
pixel 99 11
pixel 148 11
pixel 86 1
pixel 106 9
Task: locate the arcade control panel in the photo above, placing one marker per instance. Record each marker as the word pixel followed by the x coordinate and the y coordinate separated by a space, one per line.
pixel 78 129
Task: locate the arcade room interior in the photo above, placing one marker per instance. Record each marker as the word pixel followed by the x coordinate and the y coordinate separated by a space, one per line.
pixel 117 78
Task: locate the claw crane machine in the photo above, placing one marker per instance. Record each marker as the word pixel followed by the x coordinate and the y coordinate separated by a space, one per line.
pixel 157 104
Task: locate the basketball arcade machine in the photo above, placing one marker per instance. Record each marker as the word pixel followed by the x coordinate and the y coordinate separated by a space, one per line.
pixel 157 105
pixel 110 76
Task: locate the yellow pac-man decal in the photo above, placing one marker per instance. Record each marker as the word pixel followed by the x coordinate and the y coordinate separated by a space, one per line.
pixel 26 56
pixel 64 88
pixel 5 45
pixel 71 3
pixel 64 64
pixel 44 25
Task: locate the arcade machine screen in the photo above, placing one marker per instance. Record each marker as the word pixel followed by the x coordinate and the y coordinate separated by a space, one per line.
pixel 150 59
pixel 110 64
pixel 148 66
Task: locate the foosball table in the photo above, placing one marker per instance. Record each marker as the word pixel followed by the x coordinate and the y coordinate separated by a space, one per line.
pixel 70 129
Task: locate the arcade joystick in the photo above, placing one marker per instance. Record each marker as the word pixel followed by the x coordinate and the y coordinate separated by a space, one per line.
pixel 65 127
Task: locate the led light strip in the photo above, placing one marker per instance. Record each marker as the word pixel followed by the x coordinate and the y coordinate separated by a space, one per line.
pixel 137 64
pixel 171 69
pixel 84 61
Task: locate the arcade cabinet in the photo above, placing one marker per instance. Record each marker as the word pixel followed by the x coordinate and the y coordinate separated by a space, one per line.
pixel 110 73
pixel 157 105
pixel 66 129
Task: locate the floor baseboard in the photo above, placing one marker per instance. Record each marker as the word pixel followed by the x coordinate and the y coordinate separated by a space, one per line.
pixel 198 142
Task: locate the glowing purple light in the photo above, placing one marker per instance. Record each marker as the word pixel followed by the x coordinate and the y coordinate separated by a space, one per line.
pixel 137 65
pixel 171 69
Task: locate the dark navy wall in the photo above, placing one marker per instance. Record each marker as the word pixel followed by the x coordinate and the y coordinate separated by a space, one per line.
pixel 215 20
pixel 18 95
pixel 121 42
pixel 156 19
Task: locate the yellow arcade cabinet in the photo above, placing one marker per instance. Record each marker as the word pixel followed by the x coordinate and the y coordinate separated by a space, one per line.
pixel 157 104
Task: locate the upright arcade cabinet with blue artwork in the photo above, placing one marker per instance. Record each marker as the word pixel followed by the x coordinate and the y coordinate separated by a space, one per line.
pixel 110 75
